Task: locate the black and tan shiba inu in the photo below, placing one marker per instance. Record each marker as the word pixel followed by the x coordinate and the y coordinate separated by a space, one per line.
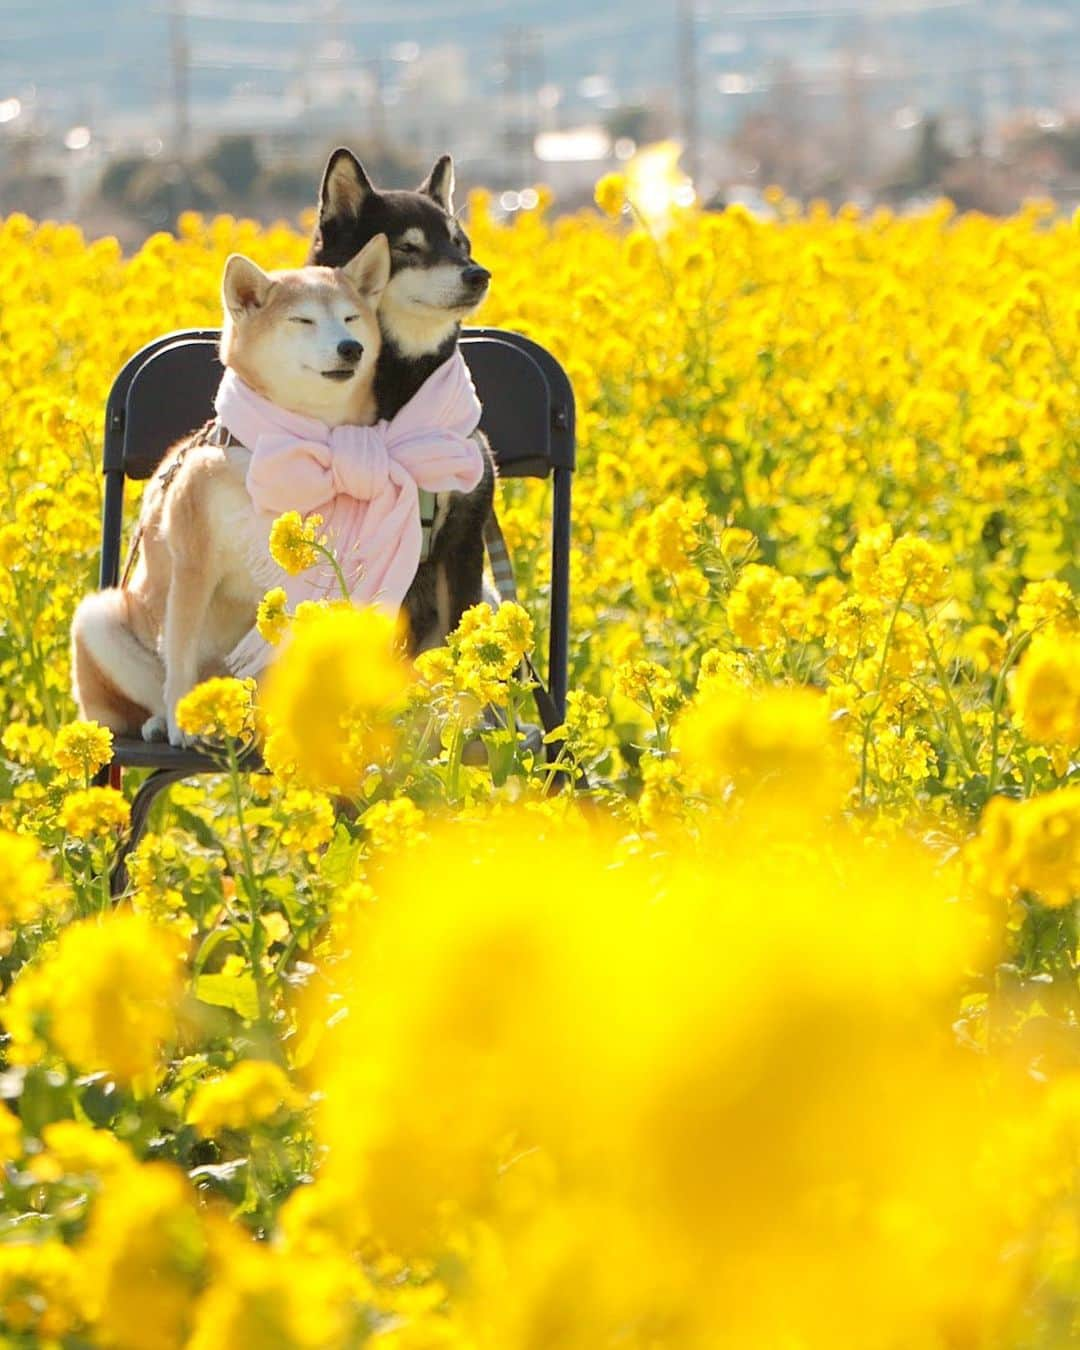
pixel 434 285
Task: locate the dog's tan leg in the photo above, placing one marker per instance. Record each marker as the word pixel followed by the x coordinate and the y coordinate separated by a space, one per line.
pixel 190 589
pixel 117 681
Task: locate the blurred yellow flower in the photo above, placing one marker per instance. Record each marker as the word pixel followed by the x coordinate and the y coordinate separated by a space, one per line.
pixel 1045 691
pixel 329 698
pixel 97 812
pixel 42 1292
pixel 610 194
pixel 1031 846
pixel 143 1257
pixel 252 1093
pixel 776 741
pixel 106 998
pixel 26 881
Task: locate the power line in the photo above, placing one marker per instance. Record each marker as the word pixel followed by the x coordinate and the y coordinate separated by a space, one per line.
pixel 833 9
pixel 285 15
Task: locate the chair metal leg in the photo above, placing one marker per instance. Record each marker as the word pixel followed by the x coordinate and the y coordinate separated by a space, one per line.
pixel 140 813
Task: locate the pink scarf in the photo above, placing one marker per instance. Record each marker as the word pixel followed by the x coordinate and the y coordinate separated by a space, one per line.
pixel 363 481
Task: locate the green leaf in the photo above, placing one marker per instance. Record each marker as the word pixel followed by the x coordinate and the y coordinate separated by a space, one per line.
pixel 197 826
pixel 501 753
pixel 213 939
pixel 228 1179
pixel 237 992
pixel 338 864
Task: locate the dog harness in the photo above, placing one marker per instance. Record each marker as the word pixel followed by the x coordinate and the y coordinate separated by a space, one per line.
pixel 428 502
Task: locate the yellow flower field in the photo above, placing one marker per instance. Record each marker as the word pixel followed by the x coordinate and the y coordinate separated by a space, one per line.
pixel 769 1036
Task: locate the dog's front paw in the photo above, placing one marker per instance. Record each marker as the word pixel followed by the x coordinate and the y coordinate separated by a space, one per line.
pixel 180 739
pixel 155 729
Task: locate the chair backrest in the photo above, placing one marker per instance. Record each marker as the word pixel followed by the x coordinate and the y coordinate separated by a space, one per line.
pixel 167 390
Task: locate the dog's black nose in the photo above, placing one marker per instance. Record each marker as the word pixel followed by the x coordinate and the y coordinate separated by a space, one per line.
pixel 349 349
pixel 475 277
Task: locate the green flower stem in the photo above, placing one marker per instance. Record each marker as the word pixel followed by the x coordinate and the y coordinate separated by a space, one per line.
pixel 329 556
pixel 453 762
pixel 1011 657
pixel 257 940
pixel 970 758
pixel 865 753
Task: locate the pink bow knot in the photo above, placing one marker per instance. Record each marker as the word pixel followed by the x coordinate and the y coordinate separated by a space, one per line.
pixel 363 481
pixel 360 461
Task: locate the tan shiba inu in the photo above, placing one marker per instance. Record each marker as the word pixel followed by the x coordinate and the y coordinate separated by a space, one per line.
pixel 306 340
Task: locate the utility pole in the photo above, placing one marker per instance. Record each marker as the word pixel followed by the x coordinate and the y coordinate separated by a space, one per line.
pixel 687 63
pixel 855 115
pixel 180 63
pixel 523 61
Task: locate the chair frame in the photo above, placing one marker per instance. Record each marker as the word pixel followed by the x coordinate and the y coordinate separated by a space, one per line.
pixel 556 459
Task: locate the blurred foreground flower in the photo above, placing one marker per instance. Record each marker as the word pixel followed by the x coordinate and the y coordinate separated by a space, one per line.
pixel 330 697
pixel 105 998
pixel 143 1258
pixel 747 1157
pixel 25 881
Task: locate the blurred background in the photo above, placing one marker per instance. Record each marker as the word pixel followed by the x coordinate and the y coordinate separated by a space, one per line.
pixel 121 113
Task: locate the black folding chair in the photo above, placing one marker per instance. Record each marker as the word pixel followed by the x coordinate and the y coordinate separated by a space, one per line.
pixel 167 389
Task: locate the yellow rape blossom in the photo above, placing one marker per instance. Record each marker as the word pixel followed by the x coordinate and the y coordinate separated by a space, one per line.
pixel 42 1294
pixel 294 541
pixel 272 618
pixel 82 748
pixel 219 708
pixel 777 740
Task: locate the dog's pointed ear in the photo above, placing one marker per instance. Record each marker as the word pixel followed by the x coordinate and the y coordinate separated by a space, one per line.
pixel 439 184
pixel 345 186
pixel 245 286
pixel 369 271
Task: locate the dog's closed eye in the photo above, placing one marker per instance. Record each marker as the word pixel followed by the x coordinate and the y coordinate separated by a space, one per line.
pixel 299 318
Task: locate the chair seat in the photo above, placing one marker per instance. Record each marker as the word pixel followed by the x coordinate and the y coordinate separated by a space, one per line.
pixel 132 752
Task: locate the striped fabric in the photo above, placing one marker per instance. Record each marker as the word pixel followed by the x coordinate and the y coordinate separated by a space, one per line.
pixel 502 569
